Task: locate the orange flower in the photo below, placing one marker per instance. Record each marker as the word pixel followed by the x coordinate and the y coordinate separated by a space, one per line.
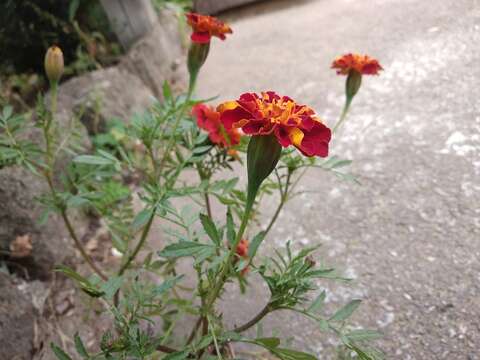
pixel 209 120
pixel 363 64
pixel 204 27
pixel 291 123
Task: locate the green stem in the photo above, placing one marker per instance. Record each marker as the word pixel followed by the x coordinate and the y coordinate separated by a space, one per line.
pixel 283 200
pixel 180 114
pixel 228 262
pixel 267 309
pixel 202 176
pixel 140 243
pixel 348 102
pixel 49 178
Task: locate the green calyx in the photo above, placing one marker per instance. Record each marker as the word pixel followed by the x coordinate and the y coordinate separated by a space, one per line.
pixel 263 154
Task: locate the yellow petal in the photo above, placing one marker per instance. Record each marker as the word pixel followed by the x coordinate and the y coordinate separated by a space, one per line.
pixel 229 105
pixel 296 136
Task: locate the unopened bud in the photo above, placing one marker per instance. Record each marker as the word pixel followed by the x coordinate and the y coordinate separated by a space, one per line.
pixel 310 262
pixel 54 65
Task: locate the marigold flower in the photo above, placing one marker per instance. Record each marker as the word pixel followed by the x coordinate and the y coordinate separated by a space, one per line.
pixel 289 122
pixel 209 120
pixel 204 27
pixel 363 64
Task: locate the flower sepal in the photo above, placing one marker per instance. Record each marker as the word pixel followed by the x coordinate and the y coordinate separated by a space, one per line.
pixel 263 154
pixel 197 55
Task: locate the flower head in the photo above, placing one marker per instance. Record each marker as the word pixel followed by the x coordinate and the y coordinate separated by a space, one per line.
pixel 363 64
pixel 269 113
pixel 208 119
pixel 204 27
pixel 54 64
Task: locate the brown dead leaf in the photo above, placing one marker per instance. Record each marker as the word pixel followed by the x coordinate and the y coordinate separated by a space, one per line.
pixel 21 247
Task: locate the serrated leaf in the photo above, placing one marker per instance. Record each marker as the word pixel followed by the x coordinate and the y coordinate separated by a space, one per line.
pixel 7 112
pixel 166 285
pixel 288 354
pixel 141 219
pixel 111 286
pixel 363 335
pixel 317 304
pixel 80 347
pixel 270 343
pixel 59 353
pixel 345 311
pixel 92 160
pixel 255 243
pixel 179 355
pixel 167 91
pixel 210 229
pixel 183 249
pixel 230 227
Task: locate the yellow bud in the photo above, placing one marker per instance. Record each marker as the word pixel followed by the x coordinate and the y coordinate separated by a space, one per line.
pixel 54 64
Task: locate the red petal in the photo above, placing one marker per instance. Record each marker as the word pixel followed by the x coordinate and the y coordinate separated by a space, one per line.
pixel 201 37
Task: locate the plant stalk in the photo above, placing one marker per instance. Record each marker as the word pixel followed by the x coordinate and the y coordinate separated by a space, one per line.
pixel 267 309
pixel 48 177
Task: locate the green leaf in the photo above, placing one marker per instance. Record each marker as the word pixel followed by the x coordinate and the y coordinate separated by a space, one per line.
pixel 182 249
pixel 346 311
pixel 179 355
pixel 59 353
pixel 230 227
pixel 269 343
pixel 7 112
pixel 72 9
pixel 210 229
pixel 84 283
pixel 92 160
pixel 80 347
pixel 255 243
pixel 317 304
pixel 167 91
pixel 166 285
pixel 72 274
pixel 111 286
pixel 363 335
pixel 141 219
pixel 288 354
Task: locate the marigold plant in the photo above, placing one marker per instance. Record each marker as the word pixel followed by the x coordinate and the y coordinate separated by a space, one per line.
pixel 276 137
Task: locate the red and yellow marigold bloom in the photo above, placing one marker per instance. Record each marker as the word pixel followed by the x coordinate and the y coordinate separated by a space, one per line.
pixel 269 113
pixel 204 27
pixel 363 64
pixel 208 119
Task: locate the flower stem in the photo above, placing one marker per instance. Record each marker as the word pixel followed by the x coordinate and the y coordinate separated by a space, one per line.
pixel 348 102
pixel 49 178
pixel 267 309
pixel 171 141
pixel 228 262
pixel 283 200
pixel 140 243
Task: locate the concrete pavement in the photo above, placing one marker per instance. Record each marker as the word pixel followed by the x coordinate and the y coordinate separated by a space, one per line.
pixel 410 234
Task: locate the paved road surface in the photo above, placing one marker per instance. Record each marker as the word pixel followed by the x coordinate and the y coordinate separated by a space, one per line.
pixel 410 235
